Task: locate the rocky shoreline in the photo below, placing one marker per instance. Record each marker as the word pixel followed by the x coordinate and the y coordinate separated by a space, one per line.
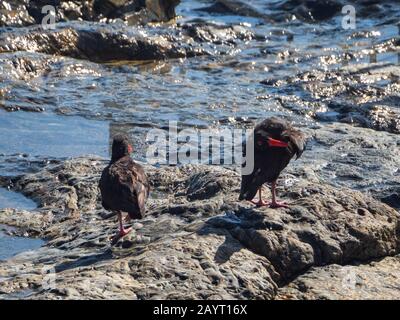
pixel 198 241
pixel 227 64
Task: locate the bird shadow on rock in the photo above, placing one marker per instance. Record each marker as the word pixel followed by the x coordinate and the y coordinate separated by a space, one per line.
pixel 222 225
pixel 84 261
pixel 226 249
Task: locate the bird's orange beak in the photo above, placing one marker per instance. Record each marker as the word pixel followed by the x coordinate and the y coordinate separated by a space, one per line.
pixel 130 149
pixel 277 143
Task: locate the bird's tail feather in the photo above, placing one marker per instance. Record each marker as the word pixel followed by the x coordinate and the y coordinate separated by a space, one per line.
pixel 248 189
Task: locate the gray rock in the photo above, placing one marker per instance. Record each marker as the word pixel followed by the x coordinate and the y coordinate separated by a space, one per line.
pixel 213 246
pixel 378 280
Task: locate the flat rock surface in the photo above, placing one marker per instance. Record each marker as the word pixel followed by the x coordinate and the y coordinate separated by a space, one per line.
pixel 378 280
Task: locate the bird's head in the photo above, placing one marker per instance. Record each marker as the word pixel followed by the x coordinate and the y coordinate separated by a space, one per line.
pixel 121 147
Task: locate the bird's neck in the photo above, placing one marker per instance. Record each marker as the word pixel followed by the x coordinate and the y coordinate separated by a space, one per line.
pixel 115 158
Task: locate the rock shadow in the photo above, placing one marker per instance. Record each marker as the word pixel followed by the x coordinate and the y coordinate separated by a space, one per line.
pixel 84 261
pixel 222 225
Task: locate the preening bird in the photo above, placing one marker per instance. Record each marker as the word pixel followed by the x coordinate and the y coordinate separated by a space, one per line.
pixel 123 184
pixel 275 144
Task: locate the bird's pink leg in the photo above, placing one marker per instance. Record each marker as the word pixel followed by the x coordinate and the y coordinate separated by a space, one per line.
pixel 260 202
pixel 275 204
pixel 122 231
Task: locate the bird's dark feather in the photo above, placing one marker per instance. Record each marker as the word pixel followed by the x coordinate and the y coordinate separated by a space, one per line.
pixel 270 161
pixel 124 187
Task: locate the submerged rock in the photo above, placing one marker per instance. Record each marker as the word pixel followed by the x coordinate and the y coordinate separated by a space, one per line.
pixel 197 240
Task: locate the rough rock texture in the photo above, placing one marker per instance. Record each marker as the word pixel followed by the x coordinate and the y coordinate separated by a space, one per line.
pixel 313 11
pixel 24 12
pixel 233 7
pixel 378 280
pixel 352 157
pixel 94 43
pixel 196 242
pixel 347 95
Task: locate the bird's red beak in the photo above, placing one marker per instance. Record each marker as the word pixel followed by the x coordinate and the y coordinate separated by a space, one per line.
pixel 130 149
pixel 277 143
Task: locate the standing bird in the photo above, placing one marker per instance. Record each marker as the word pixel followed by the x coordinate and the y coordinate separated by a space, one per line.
pixel 275 144
pixel 123 184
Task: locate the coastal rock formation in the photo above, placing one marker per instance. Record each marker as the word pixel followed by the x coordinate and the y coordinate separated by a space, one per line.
pixel 99 44
pixel 95 45
pixel 105 62
pixel 312 11
pixel 15 13
pixel 346 95
pixel 197 240
pixel 378 280
pixel 233 7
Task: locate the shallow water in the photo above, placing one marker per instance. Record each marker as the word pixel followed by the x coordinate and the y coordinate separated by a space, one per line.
pixel 29 139
pixel 51 135
pixel 205 90
pixel 86 103
pixel 11 245
pixel 11 199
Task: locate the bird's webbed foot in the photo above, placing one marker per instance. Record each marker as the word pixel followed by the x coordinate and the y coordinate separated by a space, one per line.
pixel 260 203
pixel 276 205
pixel 121 233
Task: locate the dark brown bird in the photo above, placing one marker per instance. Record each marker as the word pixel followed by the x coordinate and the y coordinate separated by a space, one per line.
pixel 275 144
pixel 123 184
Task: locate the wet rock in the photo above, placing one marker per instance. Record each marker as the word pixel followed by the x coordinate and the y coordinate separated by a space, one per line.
pixel 101 44
pixel 233 250
pixel 96 45
pixel 164 10
pixel 23 13
pixel 312 10
pixel 346 156
pixel 364 95
pixel 14 13
pixel 233 7
pixel 384 118
pixel 23 67
pixel 138 11
pixel 217 34
pixel 378 117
